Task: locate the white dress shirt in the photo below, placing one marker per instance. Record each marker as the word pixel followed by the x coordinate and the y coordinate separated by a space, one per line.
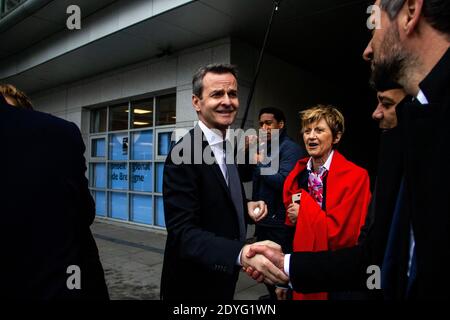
pixel 215 141
pixel 421 97
pixel 326 165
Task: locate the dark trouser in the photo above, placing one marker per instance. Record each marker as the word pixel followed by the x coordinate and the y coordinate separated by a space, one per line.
pixel 281 234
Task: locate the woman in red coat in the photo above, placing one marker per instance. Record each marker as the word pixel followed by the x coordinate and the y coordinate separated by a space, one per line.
pixel 326 196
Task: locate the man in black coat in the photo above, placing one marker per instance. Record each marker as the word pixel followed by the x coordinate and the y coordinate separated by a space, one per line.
pixel 48 251
pixel 205 208
pixel 411 231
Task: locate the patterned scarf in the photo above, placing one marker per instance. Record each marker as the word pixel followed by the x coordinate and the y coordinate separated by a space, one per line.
pixel 315 184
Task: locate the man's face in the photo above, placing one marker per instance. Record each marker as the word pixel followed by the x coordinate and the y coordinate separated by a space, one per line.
pixel 267 122
pixel 385 52
pixel 219 103
pixel 385 111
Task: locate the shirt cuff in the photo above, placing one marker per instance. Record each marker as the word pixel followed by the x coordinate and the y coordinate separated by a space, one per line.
pixel 238 261
pixel 287 260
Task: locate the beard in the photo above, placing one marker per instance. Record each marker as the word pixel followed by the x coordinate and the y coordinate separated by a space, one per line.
pixel 389 70
pixel 386 75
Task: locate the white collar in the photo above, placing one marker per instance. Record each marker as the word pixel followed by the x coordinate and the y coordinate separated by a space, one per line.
pixel 326 165
pixel 213 136
pixel 421 97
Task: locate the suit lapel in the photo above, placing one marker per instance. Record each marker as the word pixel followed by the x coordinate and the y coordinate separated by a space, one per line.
pixel 214 168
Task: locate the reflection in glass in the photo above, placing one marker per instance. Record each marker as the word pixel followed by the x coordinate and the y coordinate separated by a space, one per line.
pixel 98 120
pixel 142 115
pixel 166 110
pixel 118 175
pixel 141 209
pixel 118 146
pixel 141 176
pixel 159 212
pixel 119 205
pixel 100 203
pixel 142 145
pixel 98 147
pixel 164 143
pixel 118 117
pixel 98 175
pixel 159 176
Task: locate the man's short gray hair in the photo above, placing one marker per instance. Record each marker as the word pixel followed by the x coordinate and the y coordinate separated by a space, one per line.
pixel 392 7
pixel 435 12
pixel 218 68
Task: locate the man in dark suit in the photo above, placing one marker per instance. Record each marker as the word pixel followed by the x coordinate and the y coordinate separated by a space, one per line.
pixel 410 233
pixel 204 201
pixel 48 251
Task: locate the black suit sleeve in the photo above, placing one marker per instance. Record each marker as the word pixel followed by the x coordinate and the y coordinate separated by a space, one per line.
pixel 69 151
pixel 339 270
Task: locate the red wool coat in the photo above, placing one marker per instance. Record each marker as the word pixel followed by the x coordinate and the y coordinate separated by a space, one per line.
pixel 347 199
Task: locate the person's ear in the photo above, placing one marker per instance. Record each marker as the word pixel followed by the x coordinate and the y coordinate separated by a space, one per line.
pixel 196 102
pixel 337 138
pixel 411 15
pixel 281 124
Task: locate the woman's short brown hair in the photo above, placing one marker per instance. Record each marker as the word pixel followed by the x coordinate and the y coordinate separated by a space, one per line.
pixel 19 97
pixel 332 116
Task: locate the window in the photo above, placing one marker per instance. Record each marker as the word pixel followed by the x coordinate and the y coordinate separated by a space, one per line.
pixel 98 120
pixel 165 110
pixel 128 146
pixel 118 117
pixel 142 114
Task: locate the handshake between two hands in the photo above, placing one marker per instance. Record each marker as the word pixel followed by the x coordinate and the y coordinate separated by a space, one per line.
pixel 264 261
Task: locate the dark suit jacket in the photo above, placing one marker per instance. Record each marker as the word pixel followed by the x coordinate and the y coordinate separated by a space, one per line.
pixel 46 209
pixel 420 152
pixel 203 233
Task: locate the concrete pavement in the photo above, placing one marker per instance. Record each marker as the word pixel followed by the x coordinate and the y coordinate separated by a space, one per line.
pixel 132 258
